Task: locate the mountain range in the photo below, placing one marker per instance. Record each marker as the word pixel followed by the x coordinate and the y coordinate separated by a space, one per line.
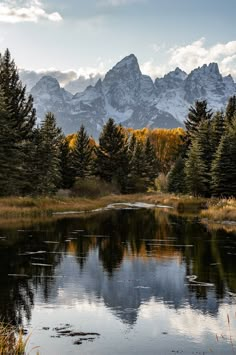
pixel 130 97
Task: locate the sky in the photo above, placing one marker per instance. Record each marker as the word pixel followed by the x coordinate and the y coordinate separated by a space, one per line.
pixel 90 36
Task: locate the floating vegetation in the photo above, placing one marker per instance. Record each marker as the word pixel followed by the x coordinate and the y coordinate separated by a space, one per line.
pixel 193 282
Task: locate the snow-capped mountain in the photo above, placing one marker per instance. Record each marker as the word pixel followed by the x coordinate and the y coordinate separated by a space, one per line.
pixel 133 98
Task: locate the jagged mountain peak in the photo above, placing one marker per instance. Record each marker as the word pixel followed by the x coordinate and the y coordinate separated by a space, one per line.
pixel 47 83
pixel 129 61
pixel 179 73
pixel 132 98
pixel 205 70
pixel 128 67
pixel 214 68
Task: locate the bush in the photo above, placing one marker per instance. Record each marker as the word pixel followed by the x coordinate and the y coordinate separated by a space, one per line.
pixel 93 188
pixel 161 183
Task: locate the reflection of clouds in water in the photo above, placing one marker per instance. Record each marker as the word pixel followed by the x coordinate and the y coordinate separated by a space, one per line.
pixel 131 285
pixel 191 322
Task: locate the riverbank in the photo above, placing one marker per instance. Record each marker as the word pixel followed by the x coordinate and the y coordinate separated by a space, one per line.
pixel 219 210
pixel 47 206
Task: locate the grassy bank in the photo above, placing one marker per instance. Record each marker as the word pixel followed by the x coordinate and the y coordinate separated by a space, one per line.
pixel 23 207
pixel 46 206
pixel 222 210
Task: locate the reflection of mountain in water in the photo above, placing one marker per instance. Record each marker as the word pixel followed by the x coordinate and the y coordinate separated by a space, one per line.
pixel 147 257
pixel 135 282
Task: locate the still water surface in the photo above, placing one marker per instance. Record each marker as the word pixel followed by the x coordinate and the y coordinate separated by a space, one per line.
pixel 141 280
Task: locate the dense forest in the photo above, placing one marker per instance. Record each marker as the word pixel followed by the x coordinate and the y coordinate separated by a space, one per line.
pixel 40 160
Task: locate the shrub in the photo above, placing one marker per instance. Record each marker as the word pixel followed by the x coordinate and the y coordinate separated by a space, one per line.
pixel 93 188
pixel 161 183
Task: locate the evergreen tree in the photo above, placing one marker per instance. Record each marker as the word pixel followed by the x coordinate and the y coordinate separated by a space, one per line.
pixel 176 177
pixel 230 109
pixel 82 155
pixel 20 122
pixel 47 169
pixel 8 151
pixel 197 113
pixel 217 130
pixel 23 114
pixel 150 164
pixel 112 155
pixel 66 165
pixel 224 165
pixel 203 138
pixel 195 171
pixel 137 176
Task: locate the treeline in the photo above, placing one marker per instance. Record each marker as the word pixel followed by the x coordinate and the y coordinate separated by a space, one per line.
pixel 207 165
pixel 39 160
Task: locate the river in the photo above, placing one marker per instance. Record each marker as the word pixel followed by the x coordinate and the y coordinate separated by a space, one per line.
pixel 126 280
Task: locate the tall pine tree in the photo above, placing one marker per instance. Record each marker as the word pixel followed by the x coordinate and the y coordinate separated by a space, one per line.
pixel 150 164
pixel 224 165
pixel 8 151
pixel 47 169
pixel 112 155
pixel 217 130
pixel 230 109
pixel 197 114
pixel 82 154
pixel 20 122
pixel 176 177
pixel 195 171
pixel 66 165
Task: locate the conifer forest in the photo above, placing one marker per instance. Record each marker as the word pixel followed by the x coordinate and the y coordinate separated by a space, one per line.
pixel 38 159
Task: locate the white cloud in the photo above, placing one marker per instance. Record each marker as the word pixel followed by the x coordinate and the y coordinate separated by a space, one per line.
pixel 196 54
pixel 149 68
pixel 12 11
pixel 116 3
pixel 191 56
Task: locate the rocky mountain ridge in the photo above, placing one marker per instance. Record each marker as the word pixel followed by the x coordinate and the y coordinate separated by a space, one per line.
pixel 132 98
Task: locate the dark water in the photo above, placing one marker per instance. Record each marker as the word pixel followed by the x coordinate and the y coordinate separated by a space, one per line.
pixel 148 282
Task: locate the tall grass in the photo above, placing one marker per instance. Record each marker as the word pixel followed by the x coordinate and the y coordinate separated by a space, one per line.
pixel 221 210
pixel 11 343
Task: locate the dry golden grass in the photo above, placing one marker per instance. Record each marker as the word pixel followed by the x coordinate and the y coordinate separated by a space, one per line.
pixel 12 343
pixel 45 206
pixel 181 203
pixel 31 207
pixel 221 210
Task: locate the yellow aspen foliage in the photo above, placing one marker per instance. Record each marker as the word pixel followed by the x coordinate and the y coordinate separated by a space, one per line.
pixel 71 139
pixel 166 142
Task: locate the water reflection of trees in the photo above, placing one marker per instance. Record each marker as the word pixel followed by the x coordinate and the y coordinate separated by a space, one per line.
pixel 128 235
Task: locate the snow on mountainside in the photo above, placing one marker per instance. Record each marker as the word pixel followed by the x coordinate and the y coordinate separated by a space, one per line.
pixel 133 98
